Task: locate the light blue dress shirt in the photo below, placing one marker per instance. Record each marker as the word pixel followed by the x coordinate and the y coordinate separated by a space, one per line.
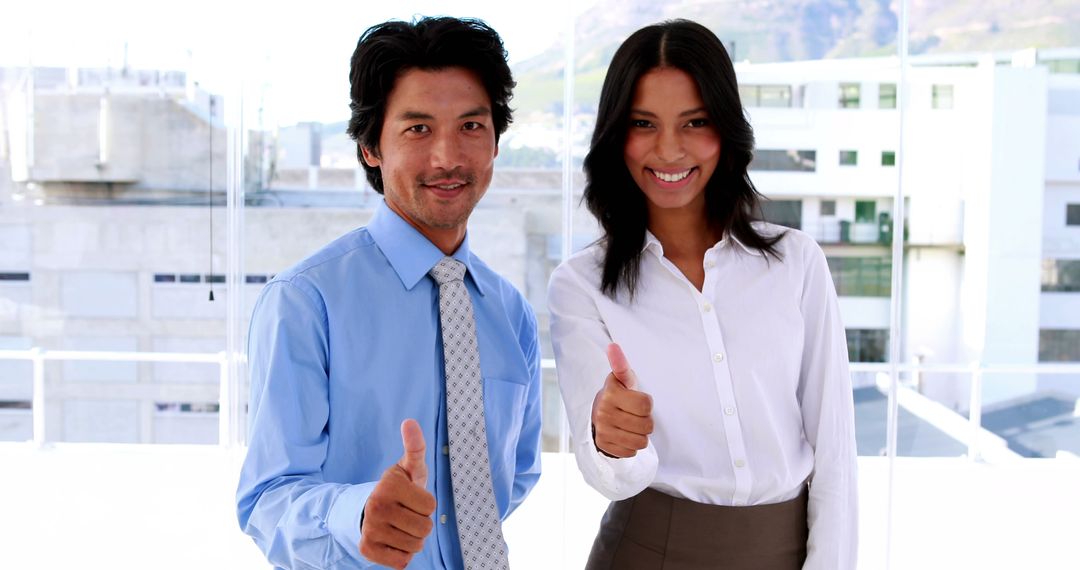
pixel 345 346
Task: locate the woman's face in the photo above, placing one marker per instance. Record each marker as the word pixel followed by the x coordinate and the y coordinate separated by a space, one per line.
pixel 672 146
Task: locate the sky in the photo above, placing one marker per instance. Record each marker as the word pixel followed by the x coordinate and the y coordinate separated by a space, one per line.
pixel 293 60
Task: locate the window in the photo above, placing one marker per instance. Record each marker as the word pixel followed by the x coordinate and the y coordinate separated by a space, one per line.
pixel 1061 275
pixel 749 95
pixel 765 95
pixel 887 96
pixel 14 276
pixel 867 345
pixel 784 212
pixel 849 96
pixel 775 96
pixel 942 97
pixel 865 211
pixel 848 157
pixel 1072 214
pixel 1059 345
pixel 785 160
pixel 888 158
pixel 188 407
pixel 861 276
pixel 164 278
pixel 1064 66
pixel 828 208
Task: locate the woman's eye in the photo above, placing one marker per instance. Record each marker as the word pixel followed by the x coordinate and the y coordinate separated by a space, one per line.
pixel 640 124
pixel 698 123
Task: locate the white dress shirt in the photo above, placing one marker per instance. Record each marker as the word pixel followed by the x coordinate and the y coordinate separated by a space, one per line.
pixel 749 380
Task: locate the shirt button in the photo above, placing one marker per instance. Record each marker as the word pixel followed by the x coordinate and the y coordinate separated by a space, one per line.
pixel 706 307
pixel 718 357
pixel 446 450
pixel 729 411
pixel 738 463
pixel 442 519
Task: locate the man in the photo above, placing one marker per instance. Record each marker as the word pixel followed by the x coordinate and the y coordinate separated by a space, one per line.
pixel 347 348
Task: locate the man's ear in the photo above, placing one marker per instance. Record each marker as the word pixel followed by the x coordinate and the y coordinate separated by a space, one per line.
pixel 371 157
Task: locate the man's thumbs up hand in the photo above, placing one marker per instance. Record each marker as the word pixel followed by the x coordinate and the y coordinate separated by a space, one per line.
pixel 397 516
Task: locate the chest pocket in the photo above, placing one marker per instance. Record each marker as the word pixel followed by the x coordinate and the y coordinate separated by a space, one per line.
pixel 504 409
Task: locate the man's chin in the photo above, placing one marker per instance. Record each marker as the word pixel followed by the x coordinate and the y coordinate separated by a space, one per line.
pixel 447 222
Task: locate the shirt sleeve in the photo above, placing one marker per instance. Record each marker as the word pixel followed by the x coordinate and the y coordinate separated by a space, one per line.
pixel 527 471
pixel 580 338
pixel 295 517
pixel 829 423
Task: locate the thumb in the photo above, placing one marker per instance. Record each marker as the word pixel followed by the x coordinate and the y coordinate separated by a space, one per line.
pixel 620 366
pixel 412 461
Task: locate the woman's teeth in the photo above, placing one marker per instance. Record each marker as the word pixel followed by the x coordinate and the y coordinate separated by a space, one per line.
pixel 673 177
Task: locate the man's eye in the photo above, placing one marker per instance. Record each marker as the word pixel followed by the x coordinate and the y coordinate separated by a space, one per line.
pixel 472 126
pixel 417 129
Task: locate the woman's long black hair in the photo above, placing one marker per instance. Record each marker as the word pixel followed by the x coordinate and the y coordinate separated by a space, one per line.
pixel 731 201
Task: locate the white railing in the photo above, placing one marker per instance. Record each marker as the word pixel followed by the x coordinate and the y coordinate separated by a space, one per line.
pixel 227 435
pixel 38 356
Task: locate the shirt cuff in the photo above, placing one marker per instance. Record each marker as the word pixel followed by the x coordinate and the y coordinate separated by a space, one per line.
pixel 621 478
pixel 343 520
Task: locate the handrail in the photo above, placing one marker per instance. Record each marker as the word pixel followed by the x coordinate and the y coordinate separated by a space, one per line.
pixel 38 356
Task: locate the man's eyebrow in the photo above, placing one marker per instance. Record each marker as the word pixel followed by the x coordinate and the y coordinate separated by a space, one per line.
pixel 413 116
pixel 422 116
pixel 476 112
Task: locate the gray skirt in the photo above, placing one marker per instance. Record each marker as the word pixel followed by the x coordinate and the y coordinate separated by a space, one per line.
pixel 655 531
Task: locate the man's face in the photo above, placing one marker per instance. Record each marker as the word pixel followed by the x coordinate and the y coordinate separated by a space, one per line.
pixel 436 151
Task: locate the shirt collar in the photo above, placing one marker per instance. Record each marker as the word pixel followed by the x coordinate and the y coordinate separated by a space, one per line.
pixel 653 243
pixel 409 252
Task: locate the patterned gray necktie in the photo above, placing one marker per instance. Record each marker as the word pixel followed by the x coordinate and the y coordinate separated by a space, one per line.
pixel 479 529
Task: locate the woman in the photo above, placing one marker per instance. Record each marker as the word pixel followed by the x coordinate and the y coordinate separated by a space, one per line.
pixel 720 422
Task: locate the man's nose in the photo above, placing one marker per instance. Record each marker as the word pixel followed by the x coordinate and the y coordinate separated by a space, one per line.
pixel 446 152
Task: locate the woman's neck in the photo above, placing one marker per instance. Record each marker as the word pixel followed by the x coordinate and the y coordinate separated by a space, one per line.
pixel 685 235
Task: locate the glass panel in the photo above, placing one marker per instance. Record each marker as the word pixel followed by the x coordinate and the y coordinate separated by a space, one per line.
pixel 750 95
pixel 1061 275
pixel 887 96
pixel 942 97
pixel 1059 345
pixel 888 158
pixel 848 157
pixel 849 96
pixel 865 210
pixel 866 345
pixel 112 182
pixel 784 212
pixel 1072 215
pixel 775 96
pixel 784 160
